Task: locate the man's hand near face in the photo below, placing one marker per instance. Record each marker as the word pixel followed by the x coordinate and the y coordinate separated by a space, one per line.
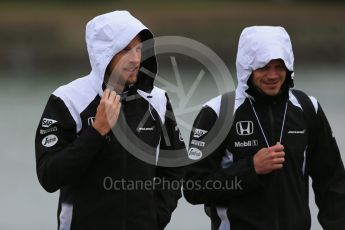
pixel 107 112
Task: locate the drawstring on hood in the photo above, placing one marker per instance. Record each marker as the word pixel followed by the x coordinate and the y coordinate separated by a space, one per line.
pixel 258 45
pixel 107 35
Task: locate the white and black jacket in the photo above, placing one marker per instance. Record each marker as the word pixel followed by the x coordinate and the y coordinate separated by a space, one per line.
pixel 279 200
pixel 93 172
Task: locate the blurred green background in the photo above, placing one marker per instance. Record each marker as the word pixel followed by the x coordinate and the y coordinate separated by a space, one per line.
pixel 42 46
pixel 40 37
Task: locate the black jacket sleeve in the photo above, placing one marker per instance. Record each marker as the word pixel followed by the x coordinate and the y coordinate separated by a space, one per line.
pixel 62 156
pixel 328 174
pixel 207 182
pixel 169 190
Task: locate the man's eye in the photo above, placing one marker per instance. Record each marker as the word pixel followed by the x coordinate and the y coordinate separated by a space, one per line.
pixel 124 51
pixel 280 68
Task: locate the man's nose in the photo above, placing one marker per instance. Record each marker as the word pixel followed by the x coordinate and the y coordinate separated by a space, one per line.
pixel 134 56
pixel 272 73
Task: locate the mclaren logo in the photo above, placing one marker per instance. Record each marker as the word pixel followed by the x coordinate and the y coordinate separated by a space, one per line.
pixel 146 129
pixel 296 131
pixel 244 128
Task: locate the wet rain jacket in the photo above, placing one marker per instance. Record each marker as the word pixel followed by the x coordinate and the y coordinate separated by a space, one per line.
pixel 96 174
pixel 278 200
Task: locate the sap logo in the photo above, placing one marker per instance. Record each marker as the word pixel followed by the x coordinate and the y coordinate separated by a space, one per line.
pixel 244 128
pixel 90 121
pixel 50 140
pixel 198 143
pixel 199 133
pixel 46 123
pixel 194 154
pixel 252 143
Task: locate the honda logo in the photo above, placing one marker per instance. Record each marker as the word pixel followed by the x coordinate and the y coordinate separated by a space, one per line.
pixel 244 128
pixel 90 120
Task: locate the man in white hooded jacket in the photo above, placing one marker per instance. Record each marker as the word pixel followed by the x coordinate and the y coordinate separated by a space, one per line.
pixel 102 184
pixel 279 138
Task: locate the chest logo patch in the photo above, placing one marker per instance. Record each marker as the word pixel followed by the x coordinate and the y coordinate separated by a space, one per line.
pixel 244 128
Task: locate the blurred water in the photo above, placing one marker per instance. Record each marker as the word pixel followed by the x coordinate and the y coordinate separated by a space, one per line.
pixel 24 203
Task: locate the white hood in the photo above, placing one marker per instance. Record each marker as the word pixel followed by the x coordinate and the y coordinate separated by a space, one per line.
pixel 107 35
pixel 258 45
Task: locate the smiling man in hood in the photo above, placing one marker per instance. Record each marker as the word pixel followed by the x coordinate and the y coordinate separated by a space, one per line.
pixel 88 126
pixel 279 138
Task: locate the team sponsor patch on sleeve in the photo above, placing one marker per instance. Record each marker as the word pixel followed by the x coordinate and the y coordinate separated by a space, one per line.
pixel 46 123
pixel 199 133
pixel 45 131
pixel 198 143
pixel 194 154
pixel 50 140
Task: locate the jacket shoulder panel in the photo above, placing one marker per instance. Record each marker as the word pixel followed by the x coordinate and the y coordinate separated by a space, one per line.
pixel 293 99
pixel 214 104
pixel 315 103
pixel 77 95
